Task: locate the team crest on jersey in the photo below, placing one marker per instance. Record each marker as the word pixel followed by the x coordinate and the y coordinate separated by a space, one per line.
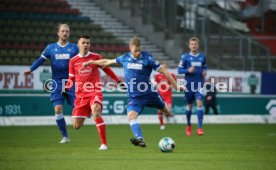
pixel 84 71
pixel 62 56
pixel 135 66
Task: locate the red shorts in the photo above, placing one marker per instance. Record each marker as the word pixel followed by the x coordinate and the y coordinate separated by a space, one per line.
pixel 83 106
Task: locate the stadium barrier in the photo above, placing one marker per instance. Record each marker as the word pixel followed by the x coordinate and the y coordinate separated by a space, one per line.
pixel 36 109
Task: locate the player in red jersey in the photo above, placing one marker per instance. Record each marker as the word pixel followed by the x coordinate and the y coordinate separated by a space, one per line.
pixel 88 88
pixel 165 90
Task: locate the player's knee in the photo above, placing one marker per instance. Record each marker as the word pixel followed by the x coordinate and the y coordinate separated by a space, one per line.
pixel 77 125
pixel 58 109
pixel 132 115
pixel 96 114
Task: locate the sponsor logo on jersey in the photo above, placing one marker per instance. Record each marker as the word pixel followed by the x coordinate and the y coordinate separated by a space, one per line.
pixel 196 64
pixel 62 56
pixel 135 66
pixel 85 71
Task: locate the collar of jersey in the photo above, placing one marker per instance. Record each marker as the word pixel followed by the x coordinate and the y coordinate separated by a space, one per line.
pixel 84 55
pixel 194 55
pixel 62 45
pixel 133 57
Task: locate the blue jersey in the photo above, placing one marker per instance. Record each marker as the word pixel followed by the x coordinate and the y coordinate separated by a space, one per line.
pixel 137 73
pixel 59 57
pixel 199 62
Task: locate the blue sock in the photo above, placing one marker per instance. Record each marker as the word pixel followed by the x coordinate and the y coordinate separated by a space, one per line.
pixel 136 130
pixel 200 113
pixel 61 124
pixel 188 116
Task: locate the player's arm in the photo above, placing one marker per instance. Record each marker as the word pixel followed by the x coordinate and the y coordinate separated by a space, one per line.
pixel 43 57
pixel 35 65
pixel 102 62
pixel 162 70
pixel 108 71
pixel 204 67
pixel 182 68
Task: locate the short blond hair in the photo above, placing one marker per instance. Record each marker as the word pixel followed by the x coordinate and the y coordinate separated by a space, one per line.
pixel 135 41
pixel 62 24
pixel 194 39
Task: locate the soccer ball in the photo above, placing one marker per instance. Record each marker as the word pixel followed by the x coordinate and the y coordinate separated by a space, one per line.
pixel 166 144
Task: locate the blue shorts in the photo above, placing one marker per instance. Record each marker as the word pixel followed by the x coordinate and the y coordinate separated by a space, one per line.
pixel 152 99
pixel 58 99
pixel 192 96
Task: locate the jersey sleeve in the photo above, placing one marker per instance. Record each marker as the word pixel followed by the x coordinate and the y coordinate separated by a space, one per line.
pixel 182 68
pixel 204 64
pixel 43 57
pixel 119 60
pixel 46 53
pixel 154 64
pixel 156 78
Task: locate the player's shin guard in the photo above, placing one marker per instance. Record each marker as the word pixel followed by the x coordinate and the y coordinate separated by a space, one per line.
pixel 61 124
pixel 101 129
pixel 160 117
pixel 200 113
pixel 188 116
pixel 136 130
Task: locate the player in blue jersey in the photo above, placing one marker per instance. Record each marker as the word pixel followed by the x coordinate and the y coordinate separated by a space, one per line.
pixel 193 65
pixel 138 66
pixel 59 54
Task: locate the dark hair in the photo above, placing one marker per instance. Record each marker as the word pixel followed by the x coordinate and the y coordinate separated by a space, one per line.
pixel 84 36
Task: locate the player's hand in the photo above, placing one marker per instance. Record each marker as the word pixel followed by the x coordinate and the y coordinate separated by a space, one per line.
pixel 122 85
pixel 204 74
pixel 85 64
pixel 27 72
pixel 64 92
pixel 181 88
pixel 192 69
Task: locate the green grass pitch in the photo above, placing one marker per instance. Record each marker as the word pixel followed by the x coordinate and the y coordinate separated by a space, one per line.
pixel 251 146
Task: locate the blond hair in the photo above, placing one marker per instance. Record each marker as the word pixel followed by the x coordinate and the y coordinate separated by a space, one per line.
pixel 135 41
pixel 62 24
pixel 194 39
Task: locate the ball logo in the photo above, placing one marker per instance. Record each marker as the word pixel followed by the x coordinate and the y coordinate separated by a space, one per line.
pixel 84 71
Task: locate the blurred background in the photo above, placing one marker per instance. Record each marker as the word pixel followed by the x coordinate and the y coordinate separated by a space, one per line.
pixel 237 36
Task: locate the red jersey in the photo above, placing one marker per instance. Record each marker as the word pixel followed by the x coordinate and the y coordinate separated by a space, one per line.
pixel 87 79
pixel 165 89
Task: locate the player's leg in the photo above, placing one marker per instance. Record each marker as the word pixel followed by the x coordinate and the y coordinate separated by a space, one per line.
pixel 189 108
pixel 78 122
pixel 161 120
pixel 135 128
pixel 134 108
pixel 207 106
pixel 61 121
pixel 214 107
pixel 81 111
pixel 188 111
pixel 58 101
pixel 199 112
pixel 96 108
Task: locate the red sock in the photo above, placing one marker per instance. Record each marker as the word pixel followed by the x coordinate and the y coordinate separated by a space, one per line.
pixel 160 117
pixel 101 129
